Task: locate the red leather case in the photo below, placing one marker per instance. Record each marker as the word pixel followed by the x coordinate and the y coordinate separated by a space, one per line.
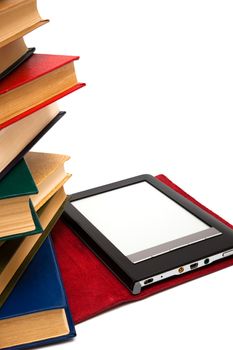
pixel 35 67
pixel 91 287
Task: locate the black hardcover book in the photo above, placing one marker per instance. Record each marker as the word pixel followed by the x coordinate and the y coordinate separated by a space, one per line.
pixel 30 145
pixel 17 63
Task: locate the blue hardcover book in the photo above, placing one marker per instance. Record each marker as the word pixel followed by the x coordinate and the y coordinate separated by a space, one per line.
pixel 37 313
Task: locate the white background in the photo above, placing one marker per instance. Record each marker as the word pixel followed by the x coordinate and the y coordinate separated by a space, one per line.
pixel 158 99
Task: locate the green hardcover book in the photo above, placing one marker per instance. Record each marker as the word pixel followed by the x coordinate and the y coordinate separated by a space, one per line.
pixel 16 254
pixel 18 217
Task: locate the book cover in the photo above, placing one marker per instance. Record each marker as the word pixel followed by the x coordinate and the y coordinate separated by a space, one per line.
pixel 36 230
pixel 38 66
pixel 19 182
pixel 16 254
pixel 26 149
pixel 38 293
pixel 17 63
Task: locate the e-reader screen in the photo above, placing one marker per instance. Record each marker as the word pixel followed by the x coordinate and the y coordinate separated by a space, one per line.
pixel 142 222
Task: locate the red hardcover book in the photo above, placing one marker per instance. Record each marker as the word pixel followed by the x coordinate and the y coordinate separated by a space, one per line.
pixel 91 287
pixel 41 80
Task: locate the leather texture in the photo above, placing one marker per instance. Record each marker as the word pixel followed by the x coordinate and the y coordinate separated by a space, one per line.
pixel 91 287
pixel 17 63
pixel 30 145
pixel 18 182
pixel 39 289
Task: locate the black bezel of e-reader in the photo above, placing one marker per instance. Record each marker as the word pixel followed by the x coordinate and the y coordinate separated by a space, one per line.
pixel 129 273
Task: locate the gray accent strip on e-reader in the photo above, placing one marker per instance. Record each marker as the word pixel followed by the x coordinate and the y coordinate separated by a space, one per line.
pixel 172 245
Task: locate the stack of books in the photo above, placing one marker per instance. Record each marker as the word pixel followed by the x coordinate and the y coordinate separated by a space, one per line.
pixel 33 306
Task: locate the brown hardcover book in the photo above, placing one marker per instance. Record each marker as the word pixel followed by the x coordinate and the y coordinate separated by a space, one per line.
pixel 13 55
pixel 48 173
pixel 17 18
pixel 15 138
